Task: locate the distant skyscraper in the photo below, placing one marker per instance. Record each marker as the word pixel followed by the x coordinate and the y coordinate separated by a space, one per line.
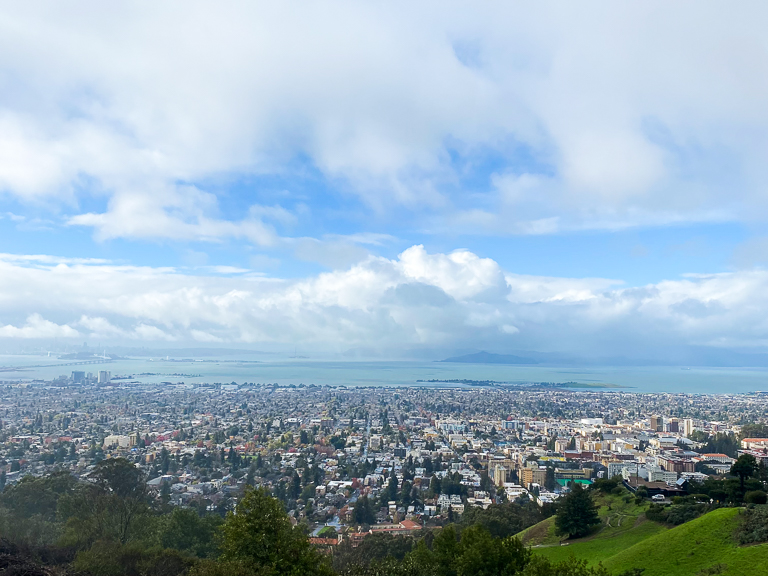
pixel 104 376
pixel 657 424
pixel 688 426
pixel 78 377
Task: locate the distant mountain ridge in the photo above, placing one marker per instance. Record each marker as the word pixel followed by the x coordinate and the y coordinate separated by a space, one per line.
pixel 490 358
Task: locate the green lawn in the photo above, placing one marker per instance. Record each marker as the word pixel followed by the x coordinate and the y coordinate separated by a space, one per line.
pixel 626 540
pixel 689 549
pixel 618 514
pixel 603 545
pixel 623 525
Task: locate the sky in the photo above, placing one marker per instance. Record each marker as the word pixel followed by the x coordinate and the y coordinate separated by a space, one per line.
pixel 390 177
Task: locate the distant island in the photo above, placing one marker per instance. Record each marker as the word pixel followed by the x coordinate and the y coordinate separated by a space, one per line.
pixel 489 358
pixel 518 385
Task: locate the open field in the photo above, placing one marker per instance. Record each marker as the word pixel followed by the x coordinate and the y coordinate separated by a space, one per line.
pixel 626 540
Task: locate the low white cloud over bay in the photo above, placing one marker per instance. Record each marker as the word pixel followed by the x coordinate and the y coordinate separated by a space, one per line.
pixel 416 300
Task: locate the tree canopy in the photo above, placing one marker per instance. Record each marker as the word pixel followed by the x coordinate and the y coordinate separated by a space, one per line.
pixel 259 535
pixel 576 513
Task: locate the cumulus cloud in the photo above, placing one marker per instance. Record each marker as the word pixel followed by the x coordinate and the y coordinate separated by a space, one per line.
pixel 626 118
pixel 418 299
pixel 38 327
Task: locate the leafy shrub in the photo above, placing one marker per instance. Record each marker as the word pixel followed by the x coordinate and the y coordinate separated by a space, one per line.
pixel 756 497
pixel 677 513
pixel 754 525
pixel 607 485
pixel 109 558
pixel 503 520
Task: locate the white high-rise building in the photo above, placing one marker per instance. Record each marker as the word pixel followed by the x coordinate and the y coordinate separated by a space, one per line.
pixel 104 376
pixel 688 427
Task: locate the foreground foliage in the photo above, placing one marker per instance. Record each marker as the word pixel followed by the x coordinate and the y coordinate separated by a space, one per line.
pixel 754 526
pixel 111 526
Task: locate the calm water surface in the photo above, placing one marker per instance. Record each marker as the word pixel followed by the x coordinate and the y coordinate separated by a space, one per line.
pixel 398 373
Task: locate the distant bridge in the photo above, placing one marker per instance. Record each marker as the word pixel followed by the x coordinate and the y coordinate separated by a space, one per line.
pixel 78 363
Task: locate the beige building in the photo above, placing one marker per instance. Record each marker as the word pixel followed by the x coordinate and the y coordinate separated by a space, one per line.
pixel 530 476
pixel 499 474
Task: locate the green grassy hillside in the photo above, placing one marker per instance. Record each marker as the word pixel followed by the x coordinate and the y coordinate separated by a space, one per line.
pixel 626 540
pixel 604 545
pixel 701 546
pixel 623 525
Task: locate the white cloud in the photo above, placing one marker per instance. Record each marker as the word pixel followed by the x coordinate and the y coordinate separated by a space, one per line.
pixel 418 299
pixel 151 333
pixel 38 327
pixel 633 114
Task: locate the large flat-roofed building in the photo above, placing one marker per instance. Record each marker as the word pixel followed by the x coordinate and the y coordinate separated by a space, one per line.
pixel 530 476
pixel 499 474
pixel 754 443
pixel 573 474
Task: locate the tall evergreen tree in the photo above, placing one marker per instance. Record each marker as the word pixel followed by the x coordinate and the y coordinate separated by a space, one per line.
pixel 577 513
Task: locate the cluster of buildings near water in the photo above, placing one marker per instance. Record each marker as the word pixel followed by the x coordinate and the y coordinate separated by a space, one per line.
pixel 417 455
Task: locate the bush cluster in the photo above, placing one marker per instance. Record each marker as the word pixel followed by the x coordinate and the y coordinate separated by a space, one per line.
pixel 754 525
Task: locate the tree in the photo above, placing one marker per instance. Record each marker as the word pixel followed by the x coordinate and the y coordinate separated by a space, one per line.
pixel 756 497
pixel 391 492
pixel 434 486
pixel 327 532
pixel 503 520
pixel 576 513
pixel 445 548
pixel 372 550
pixel 295 489
pixel 184 529
pixel 37 496
pixel 165 493
pixel 480 553
pixel 549 480
pixel 250 477
pixel 260 537
pixel 109 507
pixel 362 513
pixel 405 493
pixel 744 468
pixel 754 431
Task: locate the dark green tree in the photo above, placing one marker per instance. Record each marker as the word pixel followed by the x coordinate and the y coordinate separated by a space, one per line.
pixel 261 538
pixel 184 529
pixel 362 512
pixel 435 487
pixel 577 513
pixel 744 467
pixel 295 487
pixel 391 492
pixel 480 553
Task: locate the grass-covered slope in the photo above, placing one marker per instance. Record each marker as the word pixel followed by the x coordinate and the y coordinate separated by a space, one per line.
pixel 623 525
pixel 604 545
pixel 701 546
pixel 626 540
